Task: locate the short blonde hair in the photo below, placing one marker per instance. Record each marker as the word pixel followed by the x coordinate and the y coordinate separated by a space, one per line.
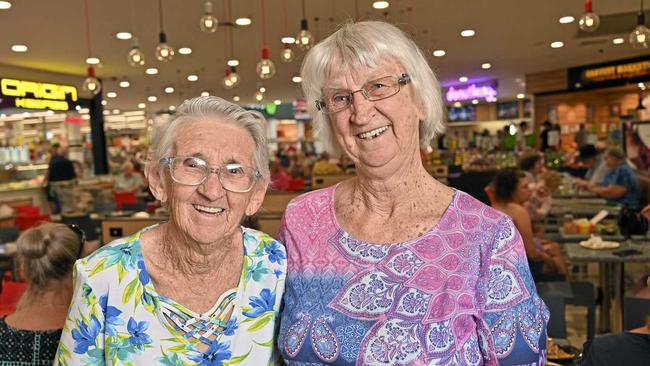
pixel 366 44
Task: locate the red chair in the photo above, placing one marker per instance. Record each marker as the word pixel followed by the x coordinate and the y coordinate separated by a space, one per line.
pixel 27 210
pixel 25 222
pixel 296 184
pixel 490 194
pixel 124 197
pixel 9 296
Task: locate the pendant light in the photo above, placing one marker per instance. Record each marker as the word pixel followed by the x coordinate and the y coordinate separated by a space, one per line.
pixel 265 68
pixel 589 21
pixel 164 52
pixel 234 76
pixel 135 56
pixel 304 39
pixel 209 23
pixel 640 106
pixel 287 53
pixel 231 78
pixel 91 83
pixel 640 36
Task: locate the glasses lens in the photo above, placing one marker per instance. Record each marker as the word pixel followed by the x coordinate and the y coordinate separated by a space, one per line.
pixel 337 100
pixel 381 88
pixel 237 178
pixel 191 171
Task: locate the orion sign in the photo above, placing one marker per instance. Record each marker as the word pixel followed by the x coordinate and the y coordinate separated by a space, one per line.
pixel 462 93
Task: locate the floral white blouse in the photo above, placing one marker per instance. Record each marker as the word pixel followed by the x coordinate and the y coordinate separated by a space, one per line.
pixel 117 318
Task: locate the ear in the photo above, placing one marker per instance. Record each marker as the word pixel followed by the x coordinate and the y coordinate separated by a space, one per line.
pixel 257 198
pixel 156 182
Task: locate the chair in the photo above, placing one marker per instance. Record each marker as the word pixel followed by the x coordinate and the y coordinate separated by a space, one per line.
pixel 572 293
pixel 124 197
pixel 9 296
pixel 89 226
pixel 26 222
pixel 136 206
pixel 556 327
pixel 635 311
pixel 27 210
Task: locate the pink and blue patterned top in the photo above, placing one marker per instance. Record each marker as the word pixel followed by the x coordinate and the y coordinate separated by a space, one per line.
pixel 461 294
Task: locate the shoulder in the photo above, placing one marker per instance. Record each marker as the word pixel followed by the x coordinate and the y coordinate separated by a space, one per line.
pixel 305 206
pixel 465 203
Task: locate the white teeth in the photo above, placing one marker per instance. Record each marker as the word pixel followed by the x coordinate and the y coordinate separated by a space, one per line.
pixel 372 134
pixel 212 210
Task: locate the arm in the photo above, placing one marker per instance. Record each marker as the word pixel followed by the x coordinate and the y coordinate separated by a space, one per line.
pixel 524 224
pixel 82 340
pixel 612 191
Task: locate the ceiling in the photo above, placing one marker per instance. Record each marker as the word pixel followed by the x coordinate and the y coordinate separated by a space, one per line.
pixel 513 35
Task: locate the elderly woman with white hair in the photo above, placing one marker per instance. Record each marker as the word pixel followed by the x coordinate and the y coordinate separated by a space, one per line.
pixel 199 289
pixel 392 267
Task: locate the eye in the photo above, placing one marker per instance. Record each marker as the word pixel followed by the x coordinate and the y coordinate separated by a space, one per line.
pixel 234 169
pixel 376 85
pixel 192 163
pixel 340 98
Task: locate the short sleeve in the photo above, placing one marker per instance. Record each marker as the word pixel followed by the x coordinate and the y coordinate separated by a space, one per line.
pixel 82 340
pixel 513 318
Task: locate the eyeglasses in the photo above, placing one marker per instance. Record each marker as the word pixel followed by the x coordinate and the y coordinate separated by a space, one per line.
pixel 82 237
pixel 337 100
pixel 193 171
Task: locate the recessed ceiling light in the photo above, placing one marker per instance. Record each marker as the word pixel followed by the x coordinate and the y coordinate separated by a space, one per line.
pixel 380 4
pixel 521 96
pixel 262 89
pixel 288 40
pixel 116 111
pixel 192 77
pixel 486 66
pixel 123 35
pixel 172 107
pixel 467 33
pixel 4 5
pixel 439 53
pixel 205 94
pixel 233 62
pixel 457 104
pixel 557 44
pixel 152 98
pixel 106 113
pixel 243 21
pixel 19 48
pixel 169 90
pixel 567 19
pixel 474 101
pixel 111 94
pixel 463 79
pixel 104 103
pixel 77 108
pixel 184 50
pixel 141 105
pixel 296 79
pixel 618 41
pixel 151 71
pixel 277 102
pixel 92 61
pixel 124 84
pixel 236 98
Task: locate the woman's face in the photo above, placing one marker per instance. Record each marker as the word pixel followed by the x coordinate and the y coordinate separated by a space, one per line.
pixel 522 193
pixel 208 213
pixel 396 118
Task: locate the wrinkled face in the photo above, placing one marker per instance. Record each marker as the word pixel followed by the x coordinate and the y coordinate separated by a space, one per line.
pixel 207 213
pixel 379 136
pixel 522 193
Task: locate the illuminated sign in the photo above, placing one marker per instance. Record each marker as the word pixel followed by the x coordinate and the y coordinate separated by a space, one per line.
pixel 458 93
pixel 607 74
pixel 33 95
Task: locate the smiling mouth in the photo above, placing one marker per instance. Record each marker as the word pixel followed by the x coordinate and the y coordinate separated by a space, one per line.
pixel 209 210
pixel 373 133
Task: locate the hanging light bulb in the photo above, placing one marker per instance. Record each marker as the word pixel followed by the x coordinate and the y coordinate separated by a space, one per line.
pixel 640 106
pixel 589 21
pixel 640 36
pixel 304 39
pixel 92 84
pixel 265 68
pixel 259 96
pixel 287 53
pixel 234 76
pixel 164 52
pixel 226 82
pixel 136 56
pixel 209 23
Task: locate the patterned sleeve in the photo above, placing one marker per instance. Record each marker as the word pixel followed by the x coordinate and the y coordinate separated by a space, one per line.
pixel 513 319
pixel 82 340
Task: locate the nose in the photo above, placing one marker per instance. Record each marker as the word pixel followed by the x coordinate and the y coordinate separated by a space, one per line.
pixel 362 109
pixel 211 188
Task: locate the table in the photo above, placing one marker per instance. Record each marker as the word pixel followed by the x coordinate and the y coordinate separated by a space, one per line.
pixel 611 269
pixel 583 207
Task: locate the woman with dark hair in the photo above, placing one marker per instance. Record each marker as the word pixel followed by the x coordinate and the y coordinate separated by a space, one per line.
pixel 511 191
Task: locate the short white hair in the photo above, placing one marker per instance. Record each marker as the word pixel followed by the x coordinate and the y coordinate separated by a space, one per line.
pixel 163 137
pixel 366 44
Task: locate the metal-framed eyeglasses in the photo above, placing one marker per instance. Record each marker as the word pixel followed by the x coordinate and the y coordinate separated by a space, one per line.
pixel 336 100
pixel 193 171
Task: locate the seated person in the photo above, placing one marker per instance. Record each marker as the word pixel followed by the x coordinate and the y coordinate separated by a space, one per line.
pixel 591 159
pixel 540 201
pixel 626 348
pixel 128 180
pixel 46 255
pixel 279 177
pixel 620 184
pixel 511 192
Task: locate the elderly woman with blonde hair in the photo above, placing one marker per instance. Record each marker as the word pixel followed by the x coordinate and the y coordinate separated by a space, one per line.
pixel 391 267
pixel 199 289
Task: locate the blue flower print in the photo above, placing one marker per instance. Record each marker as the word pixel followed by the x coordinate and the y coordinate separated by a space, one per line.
pixel 124 254
pixel 137 331
pixel 257 271
pixel 261 304
pixel 277 272
pixel 231 327
pixel 84 335
pixel 111 316
pixel 143 274
pixel 214 356
pixel 275 252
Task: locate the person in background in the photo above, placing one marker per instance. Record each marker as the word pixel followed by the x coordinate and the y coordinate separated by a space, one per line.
pixel 543 136
pixel 323 166
pixel 595 164
pixel 61 178
pixel 128 180
pixel 392 267
pixel 46 255
pixel 540 201
pixel 581 136
pixel 620 185
pixel 279 177
pixel 627 348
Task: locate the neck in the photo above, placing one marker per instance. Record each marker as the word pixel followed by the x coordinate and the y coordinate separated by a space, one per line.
pixel 56 294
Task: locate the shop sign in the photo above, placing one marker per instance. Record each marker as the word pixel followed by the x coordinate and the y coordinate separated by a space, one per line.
pixel 610 74
pixel 16 93
pixel 461 93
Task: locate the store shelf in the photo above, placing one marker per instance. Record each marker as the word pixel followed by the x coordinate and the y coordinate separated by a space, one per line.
pixel 481 123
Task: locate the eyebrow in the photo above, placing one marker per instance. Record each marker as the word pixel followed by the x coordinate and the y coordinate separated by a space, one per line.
pixel 371 77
